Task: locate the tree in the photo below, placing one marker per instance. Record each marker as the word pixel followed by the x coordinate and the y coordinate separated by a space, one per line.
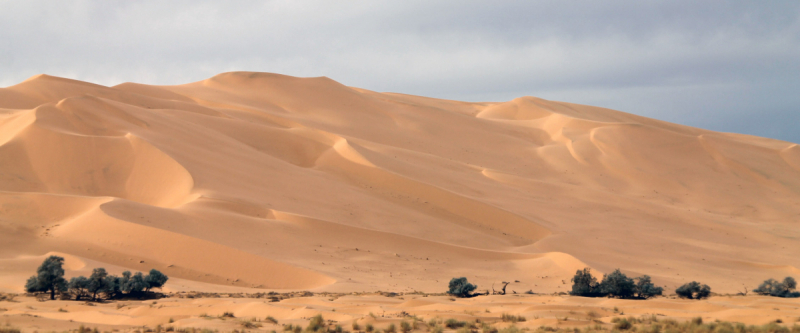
pixel 97 282
pixel 693 290
pixel 113 286
pixel 772 287
pixel 155 279
pixel 617 284
pixel 79 286
pixel 584 284
pixel 460 287
pixel 136 284
pixel 125 282
pixel 646 289
pixel 49 277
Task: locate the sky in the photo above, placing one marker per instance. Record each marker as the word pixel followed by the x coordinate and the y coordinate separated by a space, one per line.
pixel 731 66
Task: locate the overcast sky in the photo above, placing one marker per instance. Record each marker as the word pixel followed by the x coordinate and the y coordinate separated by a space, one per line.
pixel 723 65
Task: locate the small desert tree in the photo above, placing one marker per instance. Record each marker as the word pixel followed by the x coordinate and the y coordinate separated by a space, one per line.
pixel 772 287
pixel 645 288
pixel 49 277
pixel 584 284
pixel 617 284
pixel 97 282
pixel 460 287
pixel 155 279
pixel 693 290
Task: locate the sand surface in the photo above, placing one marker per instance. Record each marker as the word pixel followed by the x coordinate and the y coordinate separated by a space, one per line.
pixel 248 182
pixel 552 311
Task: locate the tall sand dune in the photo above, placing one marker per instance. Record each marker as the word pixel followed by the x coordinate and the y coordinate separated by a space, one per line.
pixel 251 181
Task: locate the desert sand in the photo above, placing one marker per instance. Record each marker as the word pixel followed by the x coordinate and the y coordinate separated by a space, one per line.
pixel 380 312
pixel 250 182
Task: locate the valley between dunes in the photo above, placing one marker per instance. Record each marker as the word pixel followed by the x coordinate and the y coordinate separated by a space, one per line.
pixel 247 182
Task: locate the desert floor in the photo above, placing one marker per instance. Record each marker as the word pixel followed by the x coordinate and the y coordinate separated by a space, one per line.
pixel 29 314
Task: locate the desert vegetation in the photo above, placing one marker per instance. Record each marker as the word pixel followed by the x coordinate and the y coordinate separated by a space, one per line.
pixel 50 279
pixel 772 287
pixel 460 287
pixel 614 284
pixel 693 290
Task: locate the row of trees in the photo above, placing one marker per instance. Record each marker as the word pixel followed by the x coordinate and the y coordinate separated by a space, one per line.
pixel 50 278
pixel 615 284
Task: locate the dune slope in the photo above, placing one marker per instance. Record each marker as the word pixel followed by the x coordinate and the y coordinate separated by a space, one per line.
pixel 257 180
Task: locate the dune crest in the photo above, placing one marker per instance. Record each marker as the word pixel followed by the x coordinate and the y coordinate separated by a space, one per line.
pixel 266 181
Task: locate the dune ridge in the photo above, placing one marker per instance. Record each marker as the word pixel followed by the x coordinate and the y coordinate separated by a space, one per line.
pixel 263 181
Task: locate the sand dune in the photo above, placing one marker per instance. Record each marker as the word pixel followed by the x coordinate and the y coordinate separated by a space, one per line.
pixel 262 181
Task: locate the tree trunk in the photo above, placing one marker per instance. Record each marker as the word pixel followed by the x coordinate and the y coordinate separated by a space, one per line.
pixel 53 294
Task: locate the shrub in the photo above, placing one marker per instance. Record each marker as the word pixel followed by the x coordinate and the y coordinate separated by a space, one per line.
pixel 646 289
pixel 49 277
pixel 405 327
pixel 623 325
pixel 511 318
pixel 316 324
pixel 391 329
pixel 369 328
pixel 693 290
pixel 772 287
pixel 584 284
pixel 452 323
pixel 460 287
pixel 617 284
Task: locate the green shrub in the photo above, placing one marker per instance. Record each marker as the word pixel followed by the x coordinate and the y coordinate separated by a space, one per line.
pixel 405 327
pixel 460 287
pixel 772 287
pixel 693 290
pixel 391 329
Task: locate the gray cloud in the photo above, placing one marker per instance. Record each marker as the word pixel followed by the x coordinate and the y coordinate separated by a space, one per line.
pixel 723 65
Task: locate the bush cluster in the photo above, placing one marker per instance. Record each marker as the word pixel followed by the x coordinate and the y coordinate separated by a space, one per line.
pixel 772 287
pixel 50 278
pixel 615 284
pixel 693 290
pixel 460 287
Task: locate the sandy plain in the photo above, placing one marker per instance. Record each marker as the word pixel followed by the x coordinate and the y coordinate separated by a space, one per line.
pixel 380 311
pixel 253 182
